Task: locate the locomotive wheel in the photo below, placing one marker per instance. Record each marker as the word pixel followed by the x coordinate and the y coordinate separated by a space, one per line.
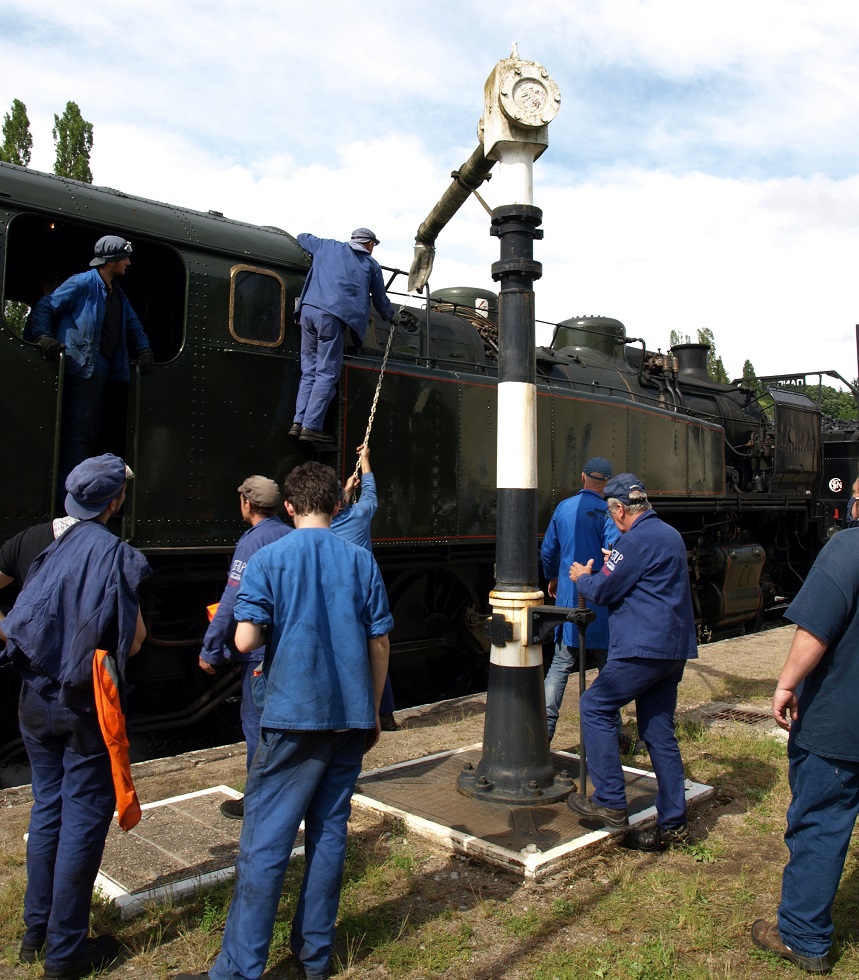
pixel 433 654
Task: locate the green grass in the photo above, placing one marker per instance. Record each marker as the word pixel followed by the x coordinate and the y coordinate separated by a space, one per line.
pixel 411 912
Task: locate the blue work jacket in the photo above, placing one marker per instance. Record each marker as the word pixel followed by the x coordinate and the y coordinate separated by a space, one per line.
pixel 576 532
pixel 341 281
pixel 321 598
pixel 353 522
pixel 73 314
pixel 645 584
pixel 79 592
pixel 218 644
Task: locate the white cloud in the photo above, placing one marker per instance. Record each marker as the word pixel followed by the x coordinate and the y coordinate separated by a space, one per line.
pixel 702 172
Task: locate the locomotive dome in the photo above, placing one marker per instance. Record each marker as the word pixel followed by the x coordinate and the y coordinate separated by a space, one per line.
pixel 600 333
pixel 482 300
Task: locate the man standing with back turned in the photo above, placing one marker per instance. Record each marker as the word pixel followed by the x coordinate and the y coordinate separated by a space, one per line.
pixel 645 584
pixel 335 298
pixel 815 700
pixel 319 604
pixel 575 533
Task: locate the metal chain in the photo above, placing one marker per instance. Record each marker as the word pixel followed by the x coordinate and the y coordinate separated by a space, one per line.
pixel 366 442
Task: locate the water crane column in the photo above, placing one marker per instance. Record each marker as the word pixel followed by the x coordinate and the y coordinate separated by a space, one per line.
pixel 520 100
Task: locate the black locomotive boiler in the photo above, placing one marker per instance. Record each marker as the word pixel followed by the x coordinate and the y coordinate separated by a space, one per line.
pixel 747 488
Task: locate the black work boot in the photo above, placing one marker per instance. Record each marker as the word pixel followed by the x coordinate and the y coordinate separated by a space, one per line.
pixel 233 809
pixel 656 838
pixel 585 807
pixel 100 953
pixel 30 950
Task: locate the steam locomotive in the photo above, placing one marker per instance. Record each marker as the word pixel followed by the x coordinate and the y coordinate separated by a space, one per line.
pixel 754 490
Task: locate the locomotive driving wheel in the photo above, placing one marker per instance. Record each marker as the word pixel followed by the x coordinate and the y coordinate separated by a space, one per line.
pixel 434 656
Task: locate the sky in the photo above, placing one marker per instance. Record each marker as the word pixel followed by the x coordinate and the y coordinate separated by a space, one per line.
pixel 703 170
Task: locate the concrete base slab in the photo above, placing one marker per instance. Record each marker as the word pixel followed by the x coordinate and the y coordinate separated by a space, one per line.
pixel 181 844
pixel 532 841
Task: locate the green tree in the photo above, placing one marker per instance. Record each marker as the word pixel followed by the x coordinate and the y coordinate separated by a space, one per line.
pixel 17 141
pixel 715 367
pixel 834 402
pixel 73 141
pixel 679 338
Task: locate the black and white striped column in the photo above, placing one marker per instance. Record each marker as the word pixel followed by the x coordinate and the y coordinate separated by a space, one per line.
pixel 516 766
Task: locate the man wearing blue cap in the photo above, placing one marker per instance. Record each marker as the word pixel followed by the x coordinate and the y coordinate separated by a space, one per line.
pixel 645 584
pixel 81 595
pixel 576 532
pixel 335 297
pixel 89 319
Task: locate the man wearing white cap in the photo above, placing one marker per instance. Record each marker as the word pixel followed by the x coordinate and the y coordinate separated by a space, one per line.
pixel 89 319
pixel 336 297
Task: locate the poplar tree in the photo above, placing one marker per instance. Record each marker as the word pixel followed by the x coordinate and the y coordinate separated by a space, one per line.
pixel 73 141
pixel 17 141
pixel 715 367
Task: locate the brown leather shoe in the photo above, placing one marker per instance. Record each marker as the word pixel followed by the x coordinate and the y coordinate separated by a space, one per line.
pixel 766 935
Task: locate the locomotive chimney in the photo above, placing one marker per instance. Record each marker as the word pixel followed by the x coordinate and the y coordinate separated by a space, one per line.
pixel 692 360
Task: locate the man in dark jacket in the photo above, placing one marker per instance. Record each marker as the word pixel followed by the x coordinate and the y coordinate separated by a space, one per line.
pixel 81 595
pixel 260 503
pixel 335 298
pixel 89 319
pixel 645 584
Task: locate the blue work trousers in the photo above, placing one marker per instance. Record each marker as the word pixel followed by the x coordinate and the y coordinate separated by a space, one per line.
pixel 820 820
pixel 565 662
pixel 73 802
pixel 294 776
pixel 82 419
pixel 250 713
pixel 321 361
pixel 652 684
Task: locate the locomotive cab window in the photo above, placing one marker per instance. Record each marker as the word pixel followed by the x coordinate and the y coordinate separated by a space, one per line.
pixel 257 306
pixel 42 252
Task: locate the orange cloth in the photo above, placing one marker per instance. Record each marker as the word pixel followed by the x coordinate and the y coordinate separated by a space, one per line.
pixel 111 720
pixel 211 610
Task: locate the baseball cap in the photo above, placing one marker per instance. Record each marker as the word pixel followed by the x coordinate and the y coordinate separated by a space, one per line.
pixel 364 235
pixel 623 485
pixel 92 485
pixel 261 492
pixel 110 248
pixel 598 468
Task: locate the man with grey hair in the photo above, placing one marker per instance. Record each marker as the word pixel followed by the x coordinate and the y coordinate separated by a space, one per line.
pixel 335 298
pixel 89 319
pixel 645 584
pixel 260 503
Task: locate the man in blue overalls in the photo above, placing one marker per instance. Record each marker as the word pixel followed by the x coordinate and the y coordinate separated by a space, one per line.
pixel 89 319
pixel 320 605
pixel 81 595
pixel 335 298
pixel 645 584
pixel 261 504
